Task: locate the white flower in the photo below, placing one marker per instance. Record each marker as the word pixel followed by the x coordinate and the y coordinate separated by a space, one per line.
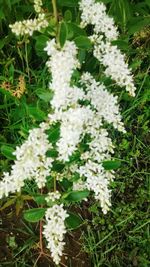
pixel 7 185
pixel 27 27
pixel 100 147
pixel 62 63
pixel 72 130
pixel 104 32
pixel 95 14
pixel 31 163
pixel 105 103
pixel 96 180
pixel 38 6
pixel 54 231
pixel 79 185
pixel 53 196
pixel 116 67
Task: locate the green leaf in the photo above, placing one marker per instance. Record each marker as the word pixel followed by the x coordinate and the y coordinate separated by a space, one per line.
pixel 2 14
pixel 136 24
pixel 136 64
pixel 81 56
pixel 53 133
pixel 63 34
pixel 68 16
pixel 83 42
pixel 9 203
pixel 111 164
pixel 69 3
pixel 34 215
pixel 36 113
pixel 147 2
pixel 7 93
pixel 40 199
pixel 44 95
pixel 74 30
pixel 2 43
pixel 58 166
pixel 75 196
pixel 53 153
pixel 41 44
pixel 73 221
pixel 7 151
pixel 123 45
pixel 66 184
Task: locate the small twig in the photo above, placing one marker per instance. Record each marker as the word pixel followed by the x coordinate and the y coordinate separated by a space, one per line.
pixel 37 260
pixel 41 239
pixel 41 228
pixel 54 184
pixel 26 57
pixel 41 236
pixel 55 10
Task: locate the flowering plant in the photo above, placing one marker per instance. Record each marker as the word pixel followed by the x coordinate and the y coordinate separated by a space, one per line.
pixel 77 162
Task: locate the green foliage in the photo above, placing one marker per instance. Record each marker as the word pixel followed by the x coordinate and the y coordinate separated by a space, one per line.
pixel 34 215
pixel 62 33
pixel 76 196
pixel 111 165
pixel 83 42
pixel 40 199
pixel 7 151
pixel 73 221
pixel 40 44
pixel 68 3
pixel 122 11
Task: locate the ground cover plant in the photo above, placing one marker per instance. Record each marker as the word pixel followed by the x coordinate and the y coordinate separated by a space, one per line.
pixel 63 136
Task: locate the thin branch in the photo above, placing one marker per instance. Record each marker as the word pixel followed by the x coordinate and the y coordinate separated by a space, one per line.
pixel 55 10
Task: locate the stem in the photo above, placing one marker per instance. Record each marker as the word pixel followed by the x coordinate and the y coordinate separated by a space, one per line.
pixel 54 184
pixel 37 260
pixel 55 10
pixel 41 237
pixel 26 57
pixel 20 54
pixel 41 229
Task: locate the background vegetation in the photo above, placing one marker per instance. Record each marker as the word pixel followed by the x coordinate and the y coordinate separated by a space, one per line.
pixel 121 238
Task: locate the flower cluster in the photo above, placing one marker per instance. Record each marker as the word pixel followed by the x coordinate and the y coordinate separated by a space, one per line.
pixel 53 196
pixel 114 61
pixel 31 163
pixel 79 185
pixel 72 131
pixel 77 120
pixel 98 182
pixel 27 27
pixel 104 32
pixel 61 64
pixel 38 6
pixel 65 100
pixel 95 14
pixel 104 102
pixel 54 230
